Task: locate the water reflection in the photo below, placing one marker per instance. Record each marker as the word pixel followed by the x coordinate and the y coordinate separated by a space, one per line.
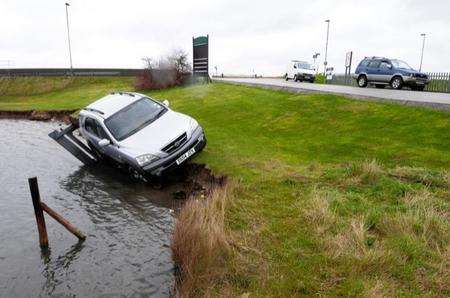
pixel 105 181
pixel 128 225
pixel 51 267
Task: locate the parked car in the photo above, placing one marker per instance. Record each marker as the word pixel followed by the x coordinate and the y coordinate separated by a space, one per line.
pixel 300 71
pixel 140 134
pixel 381 72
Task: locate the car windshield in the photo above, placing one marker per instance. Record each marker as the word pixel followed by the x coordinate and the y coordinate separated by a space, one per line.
pixel 133 118
pixel 304 65
pixel 400 64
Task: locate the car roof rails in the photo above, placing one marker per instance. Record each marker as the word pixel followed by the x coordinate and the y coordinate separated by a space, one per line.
pixel 375 57
pixel 123 93
pixel 94 111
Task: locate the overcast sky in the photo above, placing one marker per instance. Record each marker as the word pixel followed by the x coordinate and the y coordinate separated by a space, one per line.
pixel 244 35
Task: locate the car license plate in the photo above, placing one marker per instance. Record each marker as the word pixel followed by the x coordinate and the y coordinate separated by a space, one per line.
pixel 185 156
pixel 420 82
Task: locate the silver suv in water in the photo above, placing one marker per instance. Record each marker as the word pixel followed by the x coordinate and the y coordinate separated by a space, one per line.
pixel 140 134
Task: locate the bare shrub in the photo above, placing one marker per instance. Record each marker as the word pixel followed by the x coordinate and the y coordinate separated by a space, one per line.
pixel 165 72
pixel 200 244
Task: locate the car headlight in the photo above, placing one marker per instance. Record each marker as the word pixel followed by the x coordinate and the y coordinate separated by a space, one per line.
pixel 193 125
pixel 144 159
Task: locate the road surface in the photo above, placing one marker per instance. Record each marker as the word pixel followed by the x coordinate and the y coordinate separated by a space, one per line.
pixel 420 98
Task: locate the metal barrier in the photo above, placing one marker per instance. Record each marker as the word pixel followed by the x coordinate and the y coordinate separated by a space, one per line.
pixel 440 81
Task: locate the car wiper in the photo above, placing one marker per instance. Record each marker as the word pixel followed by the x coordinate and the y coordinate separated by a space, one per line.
pixel 159 114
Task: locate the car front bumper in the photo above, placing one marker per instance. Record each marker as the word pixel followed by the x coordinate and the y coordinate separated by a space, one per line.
pixel 306 76
pixel 197 141
pixel 414 81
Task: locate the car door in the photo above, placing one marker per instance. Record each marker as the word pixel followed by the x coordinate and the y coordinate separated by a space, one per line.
pixel 385 72
pixel 293 70
pixel 90 126
pixel 111 150
pixel 373 70
pixel 96 133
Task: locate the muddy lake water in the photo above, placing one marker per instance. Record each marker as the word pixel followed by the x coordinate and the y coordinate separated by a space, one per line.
pixel 128 225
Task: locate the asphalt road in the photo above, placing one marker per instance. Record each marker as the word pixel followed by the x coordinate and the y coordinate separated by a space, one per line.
pixel 420 98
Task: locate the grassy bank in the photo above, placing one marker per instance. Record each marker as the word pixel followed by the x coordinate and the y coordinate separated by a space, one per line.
pixel 329 196
pixel 56 93
pixel 334 196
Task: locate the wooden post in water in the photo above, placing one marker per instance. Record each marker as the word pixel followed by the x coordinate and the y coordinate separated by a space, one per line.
pixel 71 228
pixel 34 189
pixel 39 207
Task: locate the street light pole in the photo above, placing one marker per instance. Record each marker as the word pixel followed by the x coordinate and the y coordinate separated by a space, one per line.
pixel 326 48
pixel 68 37
pixel 423 47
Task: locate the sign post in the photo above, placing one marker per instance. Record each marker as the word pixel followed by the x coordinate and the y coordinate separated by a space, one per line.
pixel 348 65
pixel 201 56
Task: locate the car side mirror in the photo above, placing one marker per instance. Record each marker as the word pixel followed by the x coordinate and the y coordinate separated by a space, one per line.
pixel 295 66
pixel 104 142
pixel 166 103
pixel 390 66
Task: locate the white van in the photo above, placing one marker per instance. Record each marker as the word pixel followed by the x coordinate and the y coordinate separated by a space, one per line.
pixel 300 71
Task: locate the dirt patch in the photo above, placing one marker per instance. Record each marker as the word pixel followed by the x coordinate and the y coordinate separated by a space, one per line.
pixel 64 115
pixel 192 180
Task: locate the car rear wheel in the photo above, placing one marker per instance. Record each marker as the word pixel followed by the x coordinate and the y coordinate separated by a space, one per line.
pixel 379 86
pixel 362 81
pixel 397 83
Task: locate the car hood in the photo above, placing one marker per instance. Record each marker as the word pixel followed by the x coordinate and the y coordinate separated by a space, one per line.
pixel 158 134
pixel 410 71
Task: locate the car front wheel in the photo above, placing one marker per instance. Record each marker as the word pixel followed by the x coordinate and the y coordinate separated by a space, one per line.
pixel 397 83
pixel 362 81
pixel 295 78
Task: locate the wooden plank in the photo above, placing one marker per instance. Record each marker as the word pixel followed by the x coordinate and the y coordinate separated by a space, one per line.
pixel 70 227
pixel 40 220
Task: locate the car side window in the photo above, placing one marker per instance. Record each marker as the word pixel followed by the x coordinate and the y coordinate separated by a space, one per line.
pixel 101 133
pixel 384 65
pixel 374 64
pixel 93 127
pixel 90 126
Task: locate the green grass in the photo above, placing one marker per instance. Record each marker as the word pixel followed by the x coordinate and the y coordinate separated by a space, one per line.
pixel 57 93
pixel 333 196
pixel 321 216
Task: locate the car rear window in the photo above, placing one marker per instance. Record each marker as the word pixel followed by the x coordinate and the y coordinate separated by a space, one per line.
pixel 364 62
